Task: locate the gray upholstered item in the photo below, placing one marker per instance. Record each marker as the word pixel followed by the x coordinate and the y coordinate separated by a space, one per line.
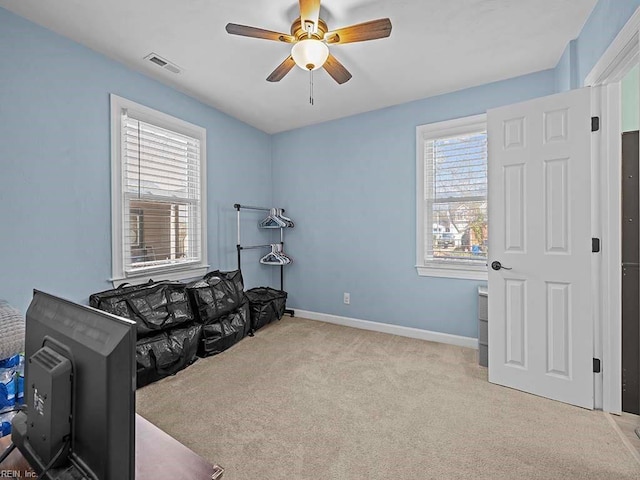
pixel 11 331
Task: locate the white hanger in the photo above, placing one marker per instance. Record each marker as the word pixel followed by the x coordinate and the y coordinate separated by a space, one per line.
pixel 273 221
pixel 288 221
pixel 276 256
pixel 278 251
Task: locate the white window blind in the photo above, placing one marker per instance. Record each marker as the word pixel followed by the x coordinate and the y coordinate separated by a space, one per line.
pixel 158 195
pixel 161 196
pixel 452 215
pixel 456 177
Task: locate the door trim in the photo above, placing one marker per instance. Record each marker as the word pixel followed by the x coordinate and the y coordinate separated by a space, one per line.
pixel 621 56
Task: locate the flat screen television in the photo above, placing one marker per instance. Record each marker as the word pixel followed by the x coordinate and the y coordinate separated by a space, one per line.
pixel 80 383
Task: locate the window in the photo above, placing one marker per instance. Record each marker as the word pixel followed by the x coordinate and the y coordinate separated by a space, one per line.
pixel 158 194
pixel 452 198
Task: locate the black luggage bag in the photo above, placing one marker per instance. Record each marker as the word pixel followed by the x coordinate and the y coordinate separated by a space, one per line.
pixel 216 295
pixel 226 331
pixel 154 306
pixel 166 353
pixel 266 305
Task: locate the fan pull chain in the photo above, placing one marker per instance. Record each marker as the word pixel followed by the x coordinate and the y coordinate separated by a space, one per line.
pixel 311 86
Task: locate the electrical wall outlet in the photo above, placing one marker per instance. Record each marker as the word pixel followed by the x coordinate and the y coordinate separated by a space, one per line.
pixel 347 298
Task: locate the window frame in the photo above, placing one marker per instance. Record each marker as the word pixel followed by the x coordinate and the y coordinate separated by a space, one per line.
pixel 425 266
pixel 163 120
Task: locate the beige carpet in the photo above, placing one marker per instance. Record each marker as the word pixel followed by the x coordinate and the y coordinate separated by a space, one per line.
pixel 308 400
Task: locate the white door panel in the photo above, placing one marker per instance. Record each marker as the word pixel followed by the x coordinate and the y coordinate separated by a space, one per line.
pixel 540 314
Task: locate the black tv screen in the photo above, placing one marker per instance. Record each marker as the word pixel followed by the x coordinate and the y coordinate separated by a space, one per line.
pixel 101 350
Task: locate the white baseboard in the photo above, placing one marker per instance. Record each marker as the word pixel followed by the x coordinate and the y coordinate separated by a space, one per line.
pixel 411 332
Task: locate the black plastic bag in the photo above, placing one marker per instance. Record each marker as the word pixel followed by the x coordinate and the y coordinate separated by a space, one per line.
pixel 216 295
pixel 166 353
pixel 266 305
pixel 225 332
pixel 153 306
pixel 233 276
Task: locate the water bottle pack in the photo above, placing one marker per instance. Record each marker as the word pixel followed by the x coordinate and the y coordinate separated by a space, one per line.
pixel 11 390
pixel 7 389
pixel 5 423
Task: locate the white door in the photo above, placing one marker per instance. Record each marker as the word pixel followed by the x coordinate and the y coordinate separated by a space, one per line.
pixel 540 311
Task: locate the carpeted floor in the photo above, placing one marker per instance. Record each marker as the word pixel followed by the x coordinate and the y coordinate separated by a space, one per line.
pixel 309 400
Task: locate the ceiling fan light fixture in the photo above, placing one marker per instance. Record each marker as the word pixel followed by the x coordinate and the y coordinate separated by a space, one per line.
pixel 310 53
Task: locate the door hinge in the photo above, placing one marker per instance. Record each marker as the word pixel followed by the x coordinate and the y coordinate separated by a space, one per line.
pixel 595 124
pixel 596 365
pixel 595 245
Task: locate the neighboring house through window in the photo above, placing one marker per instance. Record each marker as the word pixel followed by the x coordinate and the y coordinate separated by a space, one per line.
pixel 452 198
pixel 158 194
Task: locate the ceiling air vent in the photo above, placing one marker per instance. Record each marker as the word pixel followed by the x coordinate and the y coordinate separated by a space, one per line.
pixel 162 62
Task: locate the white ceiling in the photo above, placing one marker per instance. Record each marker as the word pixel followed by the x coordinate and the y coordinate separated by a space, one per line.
pixel 436 46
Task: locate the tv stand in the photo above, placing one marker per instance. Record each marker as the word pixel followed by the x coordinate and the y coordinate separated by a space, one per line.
pixel 158 455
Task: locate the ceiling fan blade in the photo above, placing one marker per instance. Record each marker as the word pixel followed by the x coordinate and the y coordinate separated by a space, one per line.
pixel 309 12
pixel 245 31
pixel 336 70
pixel 281 70
pixel 380 28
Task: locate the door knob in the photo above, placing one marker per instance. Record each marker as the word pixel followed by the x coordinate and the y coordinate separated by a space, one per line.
pixel 497 266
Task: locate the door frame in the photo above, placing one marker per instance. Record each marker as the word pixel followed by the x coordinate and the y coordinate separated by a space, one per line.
pixel 621 56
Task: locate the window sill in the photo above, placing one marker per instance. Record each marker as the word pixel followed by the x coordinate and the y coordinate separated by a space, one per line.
pixel 464 272
pixel 173 275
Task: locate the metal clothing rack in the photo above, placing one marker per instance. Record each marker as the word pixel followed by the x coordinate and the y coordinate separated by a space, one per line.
pixel 240 247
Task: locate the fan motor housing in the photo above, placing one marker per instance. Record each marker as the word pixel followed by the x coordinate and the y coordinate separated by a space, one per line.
pixel 299 33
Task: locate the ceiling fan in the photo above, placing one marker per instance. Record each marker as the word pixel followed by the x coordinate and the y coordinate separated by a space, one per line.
pixel 310 37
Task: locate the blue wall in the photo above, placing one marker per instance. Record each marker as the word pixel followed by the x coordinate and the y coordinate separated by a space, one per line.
pixel 606 20
pixel 567 68
pixel 601 28
pixel 353 196
pixel 55 164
